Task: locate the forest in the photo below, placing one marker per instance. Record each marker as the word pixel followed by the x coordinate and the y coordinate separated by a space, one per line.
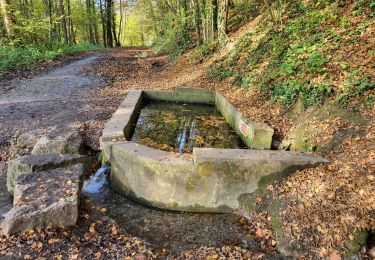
pixel 187 129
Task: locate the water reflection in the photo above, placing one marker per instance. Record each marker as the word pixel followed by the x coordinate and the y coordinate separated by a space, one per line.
pixel 180 127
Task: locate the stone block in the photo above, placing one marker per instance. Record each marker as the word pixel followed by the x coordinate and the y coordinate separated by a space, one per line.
pixel 33 163
pixel 46 198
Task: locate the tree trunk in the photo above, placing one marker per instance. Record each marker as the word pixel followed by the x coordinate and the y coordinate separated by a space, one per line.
pixel 120 29
pixel 103 23
pixel 197 20
pixel 117 43
pixel 6 17
pixel 95 22
pixel 214 18
pixel 48 14
pixel 70 25
pixel 90 27
pixel 109 23
pixel 223 20
pixel 63 21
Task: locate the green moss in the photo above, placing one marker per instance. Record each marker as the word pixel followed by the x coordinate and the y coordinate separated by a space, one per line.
pixel 274 211
pixel 358 242
pixel 192 182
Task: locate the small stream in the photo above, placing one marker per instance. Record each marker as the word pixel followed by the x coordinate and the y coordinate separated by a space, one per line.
pixel 173 231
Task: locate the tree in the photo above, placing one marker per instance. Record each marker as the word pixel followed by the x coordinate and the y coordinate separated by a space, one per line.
pixel 6 17
pixel 109 10
pixel 223 20
pixel 63 21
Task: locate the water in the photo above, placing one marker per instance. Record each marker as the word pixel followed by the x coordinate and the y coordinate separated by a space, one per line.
pixel 97 181
pixel 180 127
pixel 171 231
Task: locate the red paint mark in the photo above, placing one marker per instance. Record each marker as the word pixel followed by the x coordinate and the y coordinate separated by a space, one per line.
pixel 244 128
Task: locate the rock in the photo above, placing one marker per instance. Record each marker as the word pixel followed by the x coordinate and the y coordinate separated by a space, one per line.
pixel 45 198
pixel 284 145
pixel 33 163
pixel 24 144
pixel 69 143
pixel 322 129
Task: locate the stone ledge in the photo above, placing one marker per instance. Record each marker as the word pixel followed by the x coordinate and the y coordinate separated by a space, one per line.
pixel 184 95
pixel 33 163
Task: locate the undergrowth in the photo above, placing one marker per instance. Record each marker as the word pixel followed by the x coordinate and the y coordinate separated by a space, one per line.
pixel 304 58
pixel 12 58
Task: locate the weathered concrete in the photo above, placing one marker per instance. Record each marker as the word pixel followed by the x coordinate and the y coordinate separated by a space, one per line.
pixel 184 95
pixel 35 163
pixel 254 135
pixel 69 143
pixel 213 181
pixel 46 198
pixel 120 125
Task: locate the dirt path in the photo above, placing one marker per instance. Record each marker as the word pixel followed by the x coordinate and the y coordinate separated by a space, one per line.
pixel 57 100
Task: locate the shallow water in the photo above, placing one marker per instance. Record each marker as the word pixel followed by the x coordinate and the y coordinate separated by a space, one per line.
pixel 172 231
pixel 180 127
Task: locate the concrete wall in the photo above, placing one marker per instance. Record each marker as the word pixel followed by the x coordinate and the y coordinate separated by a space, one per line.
pixel 254 135
pixel 212 180
pixel 184 95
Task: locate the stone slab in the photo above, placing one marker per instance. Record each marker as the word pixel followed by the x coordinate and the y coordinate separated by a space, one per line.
pixel 33 163
pixel 46 198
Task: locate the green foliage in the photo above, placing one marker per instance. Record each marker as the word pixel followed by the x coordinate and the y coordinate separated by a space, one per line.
pixel 356 85
pixel 203 51
pixel 295 62
pixel 174 41
pixel 20 57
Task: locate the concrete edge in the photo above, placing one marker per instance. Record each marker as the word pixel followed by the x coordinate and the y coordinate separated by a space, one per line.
pixel 254 135
pixel 185 95
pixel 120 124
pixel 206 154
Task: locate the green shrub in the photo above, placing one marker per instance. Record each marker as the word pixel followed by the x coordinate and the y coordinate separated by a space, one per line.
pixel 356 85
pixel 12 58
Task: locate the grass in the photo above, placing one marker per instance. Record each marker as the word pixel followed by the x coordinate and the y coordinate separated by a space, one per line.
pixel 13 58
